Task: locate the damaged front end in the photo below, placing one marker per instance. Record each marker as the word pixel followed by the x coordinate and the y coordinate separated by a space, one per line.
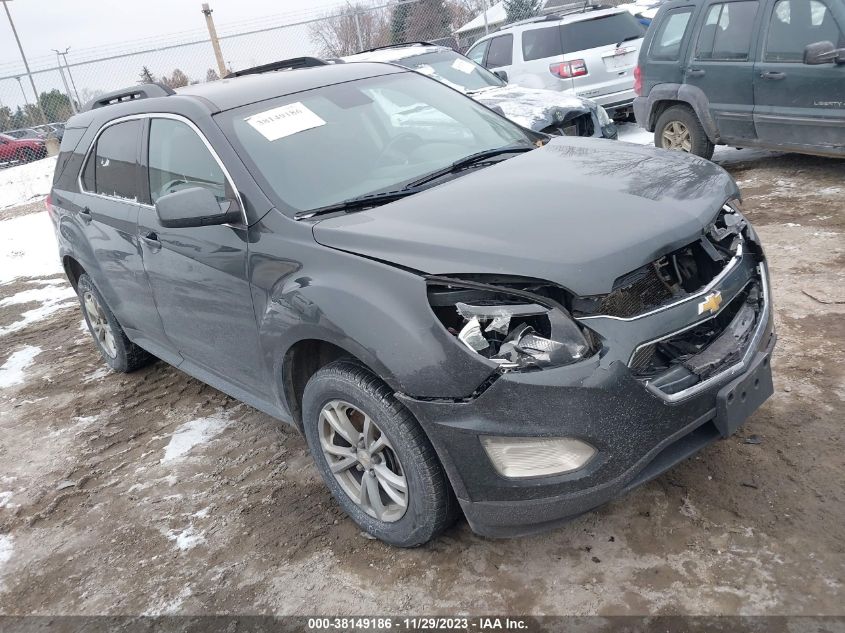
pixel 516 324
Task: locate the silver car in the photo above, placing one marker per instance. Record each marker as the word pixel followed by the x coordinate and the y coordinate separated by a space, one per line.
pixel 591 53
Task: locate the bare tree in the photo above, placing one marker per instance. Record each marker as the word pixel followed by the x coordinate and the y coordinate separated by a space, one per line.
pixel 463 11
pixel 338 33
pixel 211 75
pixel 176 80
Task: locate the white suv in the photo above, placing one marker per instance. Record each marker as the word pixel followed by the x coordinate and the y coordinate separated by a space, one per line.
pixel 591 53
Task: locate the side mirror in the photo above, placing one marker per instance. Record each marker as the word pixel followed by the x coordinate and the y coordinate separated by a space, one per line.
pixel 501 74
pixel 196 206
pixel 823 53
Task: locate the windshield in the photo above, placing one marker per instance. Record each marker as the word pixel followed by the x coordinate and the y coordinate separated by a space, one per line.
pixel 452 69
pixel 323 146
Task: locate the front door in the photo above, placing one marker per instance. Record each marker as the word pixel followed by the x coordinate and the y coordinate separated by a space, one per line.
pixel 722 66
pixel 198 275
pixel 797 104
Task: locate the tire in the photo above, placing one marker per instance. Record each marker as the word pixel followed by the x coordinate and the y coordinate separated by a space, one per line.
pixel 26 155
pixel 430 507
pixel 117 350
pixel 681 123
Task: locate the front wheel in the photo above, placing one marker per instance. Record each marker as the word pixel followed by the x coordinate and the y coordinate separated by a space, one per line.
pixel 679 129
pixel 374 457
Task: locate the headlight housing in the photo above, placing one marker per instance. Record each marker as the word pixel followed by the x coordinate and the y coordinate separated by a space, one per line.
pixel 604 117
pixel 510 327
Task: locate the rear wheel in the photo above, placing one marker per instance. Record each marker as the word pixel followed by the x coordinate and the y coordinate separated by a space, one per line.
pixel 26 155
pixel 374 457
pixel 117 350
pixel 679 129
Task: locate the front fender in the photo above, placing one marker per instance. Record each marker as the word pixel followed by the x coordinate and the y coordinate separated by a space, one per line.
pixel 375 311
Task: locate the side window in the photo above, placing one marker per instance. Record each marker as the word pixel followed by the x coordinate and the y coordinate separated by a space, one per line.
pixel 666 45
pixel 540 43
pixel 476 53
pixel 501 51
pixel 112 167
pixel 179 159
pixel 795 24
pixel 726 34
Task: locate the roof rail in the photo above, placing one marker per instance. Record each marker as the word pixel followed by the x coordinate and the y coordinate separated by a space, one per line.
pixel 143 91
pixel 400 45
pixel 557 15
pixel 284 64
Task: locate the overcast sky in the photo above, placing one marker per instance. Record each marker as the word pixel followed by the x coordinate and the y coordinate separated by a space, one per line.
pixel 118 24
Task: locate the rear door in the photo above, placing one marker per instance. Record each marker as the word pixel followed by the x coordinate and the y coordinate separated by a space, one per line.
pixel 796 104
pixel 198 274
pixel 667 45
pixel 500 53
pixel 106 213
pixel 721 64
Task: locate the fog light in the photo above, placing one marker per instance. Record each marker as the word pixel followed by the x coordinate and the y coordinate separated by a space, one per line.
pixel 516 457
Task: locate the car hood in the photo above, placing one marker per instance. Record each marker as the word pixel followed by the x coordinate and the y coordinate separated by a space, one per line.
pixel 530 107
pixel 574 212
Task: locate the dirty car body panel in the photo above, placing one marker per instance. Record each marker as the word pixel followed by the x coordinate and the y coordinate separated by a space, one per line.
pixel 640 254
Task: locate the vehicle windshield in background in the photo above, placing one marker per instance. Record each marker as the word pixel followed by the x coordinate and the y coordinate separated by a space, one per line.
pixel 453 70
pixel 324 146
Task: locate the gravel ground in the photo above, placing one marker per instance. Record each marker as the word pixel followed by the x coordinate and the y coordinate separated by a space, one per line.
pixel 152 493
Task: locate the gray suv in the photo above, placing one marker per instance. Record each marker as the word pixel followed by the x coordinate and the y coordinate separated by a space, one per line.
pixel 745 73
pixel 459 314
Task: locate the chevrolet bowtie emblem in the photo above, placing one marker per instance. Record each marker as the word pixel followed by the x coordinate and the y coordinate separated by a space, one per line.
pixel 711 303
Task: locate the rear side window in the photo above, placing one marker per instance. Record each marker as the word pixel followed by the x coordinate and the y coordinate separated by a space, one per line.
pixel 112 168
pixel 70 140
pixel 795 24
pixel 726 34
pixel 540 43
pixel 179 159
pixel 604 31
pixel 666 45
pixel 501 51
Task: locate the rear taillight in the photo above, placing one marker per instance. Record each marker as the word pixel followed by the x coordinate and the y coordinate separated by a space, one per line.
pixel 48 202
pixel 570 69
pixel 638 81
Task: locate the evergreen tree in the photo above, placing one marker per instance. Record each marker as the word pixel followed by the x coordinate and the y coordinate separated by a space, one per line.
pixel 428 20
pixel 399 22
pixel 521 9
pixel 146 76
pixel 211 75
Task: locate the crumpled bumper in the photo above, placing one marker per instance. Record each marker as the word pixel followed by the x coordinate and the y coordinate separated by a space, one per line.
pixel 637 434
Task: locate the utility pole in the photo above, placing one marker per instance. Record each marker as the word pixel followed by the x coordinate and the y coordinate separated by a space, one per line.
pixel 486 25
pixel 212 33
pixel 70 76
pixel 23 92
pixel 25 63
pixel 358 30
pixel 64 80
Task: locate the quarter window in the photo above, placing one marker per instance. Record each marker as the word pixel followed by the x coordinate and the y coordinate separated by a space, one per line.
pixel 179 159
pixel 666 45
pixel 501 52
pixel 540 43
pixel 795 24
pixel 112 168
pixel 476 53
pixel 726 34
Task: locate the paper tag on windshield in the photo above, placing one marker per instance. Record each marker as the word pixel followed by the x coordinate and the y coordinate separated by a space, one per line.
pixel 463 65
pixel 284 121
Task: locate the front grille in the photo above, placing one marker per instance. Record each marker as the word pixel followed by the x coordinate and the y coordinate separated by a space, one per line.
pixel 706 349
pixel 673 276
pixel 581 125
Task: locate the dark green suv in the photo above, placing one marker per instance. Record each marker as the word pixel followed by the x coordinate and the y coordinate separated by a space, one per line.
pixel 745 73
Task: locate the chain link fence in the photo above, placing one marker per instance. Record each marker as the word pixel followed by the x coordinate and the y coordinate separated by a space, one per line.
pixel 67 81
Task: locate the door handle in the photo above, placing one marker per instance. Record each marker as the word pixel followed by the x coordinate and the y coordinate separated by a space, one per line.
pixel 773 75
pixel 696 72
pixel 85 215
pixel 151 240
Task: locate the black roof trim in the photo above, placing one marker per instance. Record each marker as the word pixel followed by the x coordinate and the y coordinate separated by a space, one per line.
pixel 401 45
pixel 143 91
pixel 284 64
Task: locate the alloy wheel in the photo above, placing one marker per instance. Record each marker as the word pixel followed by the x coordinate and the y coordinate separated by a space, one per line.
pixel 363 461
pixel 99 324
pixel 676 135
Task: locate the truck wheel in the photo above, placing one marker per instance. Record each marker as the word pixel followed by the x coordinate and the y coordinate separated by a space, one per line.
pixel 374 457
pixel 679 129
pixel 117 350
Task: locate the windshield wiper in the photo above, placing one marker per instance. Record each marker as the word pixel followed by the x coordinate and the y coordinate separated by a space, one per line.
pixel 472 159
pixel 360 202
pixel 628 39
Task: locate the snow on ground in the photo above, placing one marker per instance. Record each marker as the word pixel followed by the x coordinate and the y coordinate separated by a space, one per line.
pixel 53 296
pixel 28 247
pixel 23 183
pixel 13 370
pixel 194 432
